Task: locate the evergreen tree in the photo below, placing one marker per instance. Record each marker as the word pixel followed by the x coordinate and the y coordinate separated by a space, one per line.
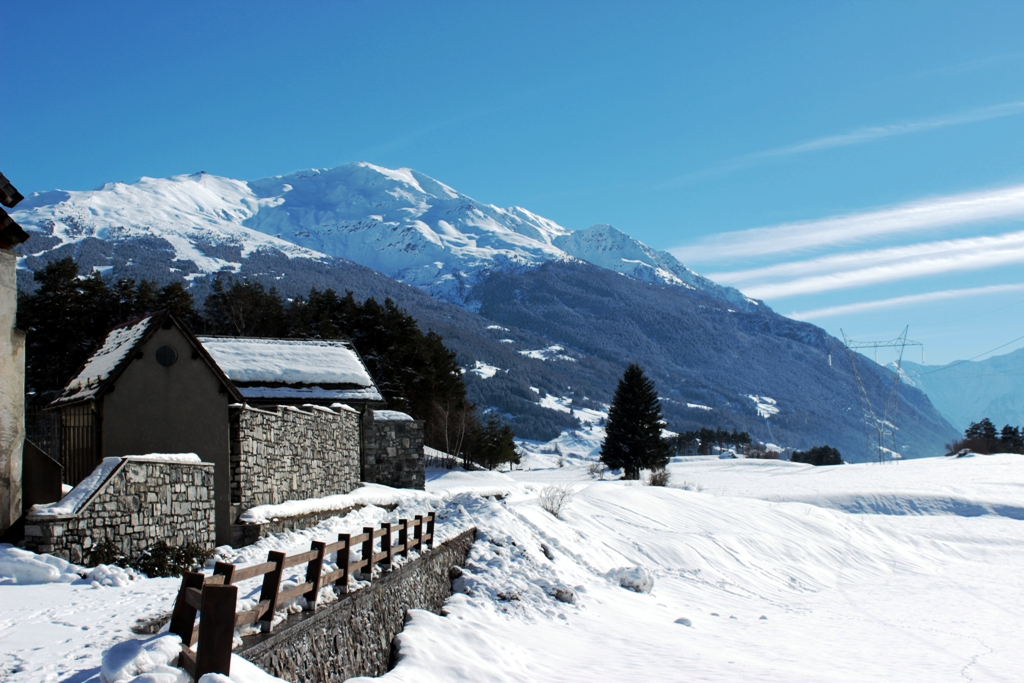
pixel 818 456
pixel 66 319
pixel 179 301
pixel 633 440
pixel 494 445
pixel 244 309
pixel 981 430
pixel 1012 439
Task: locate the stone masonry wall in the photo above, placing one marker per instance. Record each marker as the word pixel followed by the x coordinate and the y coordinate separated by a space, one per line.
pixel 353 637
pixel 140 504
pixel 393 452
pixel 292 454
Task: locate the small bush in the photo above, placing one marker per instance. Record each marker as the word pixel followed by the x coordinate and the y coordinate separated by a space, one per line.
pixel 105 552
pixel 658 477
pixel 597 469
pixel 818 456
pixel 160 560
pixel 164 560
pixel 554 499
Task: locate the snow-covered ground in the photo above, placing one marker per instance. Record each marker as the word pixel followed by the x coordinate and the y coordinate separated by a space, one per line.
pixel 746 587
pixel 741 570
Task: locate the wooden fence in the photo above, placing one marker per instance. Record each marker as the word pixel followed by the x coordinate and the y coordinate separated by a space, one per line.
pixel 215 597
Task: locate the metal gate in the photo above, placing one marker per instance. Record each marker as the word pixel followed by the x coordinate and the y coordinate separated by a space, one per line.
pixel 79 441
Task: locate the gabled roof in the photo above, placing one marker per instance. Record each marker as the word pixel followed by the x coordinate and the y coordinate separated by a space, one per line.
pixel 290 370
pixel 107 363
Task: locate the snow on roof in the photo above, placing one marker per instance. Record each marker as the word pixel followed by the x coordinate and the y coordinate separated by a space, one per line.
pixel 313 393
pixel 287 361
pixel 391 416
pixel 118 344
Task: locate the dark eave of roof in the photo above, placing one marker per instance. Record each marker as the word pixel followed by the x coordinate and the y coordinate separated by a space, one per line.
pixel 9 196
pixel 11 234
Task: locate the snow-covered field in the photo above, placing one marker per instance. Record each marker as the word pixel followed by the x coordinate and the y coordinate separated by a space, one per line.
pixel 741 570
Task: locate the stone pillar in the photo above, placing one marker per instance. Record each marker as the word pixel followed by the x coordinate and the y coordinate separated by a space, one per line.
pixel 12 393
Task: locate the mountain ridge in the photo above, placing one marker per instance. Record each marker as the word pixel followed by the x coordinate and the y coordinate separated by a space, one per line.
pixel 402 223
pixel 597 299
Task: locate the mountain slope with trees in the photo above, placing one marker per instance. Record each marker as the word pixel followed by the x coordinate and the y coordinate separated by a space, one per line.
pixel 532 320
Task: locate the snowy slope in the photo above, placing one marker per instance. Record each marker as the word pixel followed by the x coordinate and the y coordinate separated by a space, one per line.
pixel 740 588
pixel 399 222
pixel 738 571
pixel 200 215
pixel 608 247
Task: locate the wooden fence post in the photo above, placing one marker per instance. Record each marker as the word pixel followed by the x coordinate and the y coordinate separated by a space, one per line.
pixel 430 529
pixel 385 544
pixel 271 587
pixel 313 571
pixel 418 531
pixel 367 570
pixel 343 560
pixel 183 618
pixel 226 570
pixel 403 536
pixel 216 630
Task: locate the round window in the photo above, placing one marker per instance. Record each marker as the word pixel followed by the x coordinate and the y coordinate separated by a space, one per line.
pixel 166 355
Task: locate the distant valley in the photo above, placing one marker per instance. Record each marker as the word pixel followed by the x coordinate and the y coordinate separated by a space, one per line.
pixel 966 392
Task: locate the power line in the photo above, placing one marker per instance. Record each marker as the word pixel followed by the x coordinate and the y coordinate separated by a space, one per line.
pixel 961 362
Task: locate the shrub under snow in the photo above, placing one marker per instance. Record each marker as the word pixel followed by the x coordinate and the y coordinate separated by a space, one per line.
pixel 634 578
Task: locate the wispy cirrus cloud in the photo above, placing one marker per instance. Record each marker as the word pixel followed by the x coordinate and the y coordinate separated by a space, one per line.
pixel 869 267
pixel 898 301
pixel 854 137
pixel 875 132
pixel 928 214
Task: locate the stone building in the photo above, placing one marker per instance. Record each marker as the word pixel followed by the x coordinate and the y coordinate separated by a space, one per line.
pixel 150 388
pixel 279 419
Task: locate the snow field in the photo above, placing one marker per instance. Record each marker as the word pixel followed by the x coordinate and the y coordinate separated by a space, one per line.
pixel 733 583
pixel 744 589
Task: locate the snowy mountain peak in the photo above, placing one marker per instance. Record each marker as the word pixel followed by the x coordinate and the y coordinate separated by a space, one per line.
pixel 608 247
pixel 400 222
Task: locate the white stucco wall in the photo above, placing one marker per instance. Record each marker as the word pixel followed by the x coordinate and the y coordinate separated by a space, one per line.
pixel 12 393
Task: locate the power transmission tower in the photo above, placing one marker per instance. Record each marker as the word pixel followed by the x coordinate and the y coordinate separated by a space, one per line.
pixel 881 432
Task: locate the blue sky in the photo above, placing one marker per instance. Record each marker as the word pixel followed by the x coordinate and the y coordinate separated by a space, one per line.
pixel 858 165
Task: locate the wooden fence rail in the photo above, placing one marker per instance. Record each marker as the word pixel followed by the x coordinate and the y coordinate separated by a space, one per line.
pixel 214 597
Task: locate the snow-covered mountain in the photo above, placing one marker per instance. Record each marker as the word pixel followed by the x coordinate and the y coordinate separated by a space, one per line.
pixel 399 222
pixel 199 216
pixel 510 291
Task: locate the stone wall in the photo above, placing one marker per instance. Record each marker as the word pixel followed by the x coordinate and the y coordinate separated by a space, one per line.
pixel 289 453
pixel 247 533
pixel 140 504
pixel 353 637
pixel 393 450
